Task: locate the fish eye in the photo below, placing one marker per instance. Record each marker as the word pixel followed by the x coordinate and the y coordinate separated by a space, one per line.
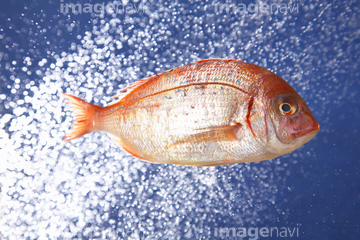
pixel 287 108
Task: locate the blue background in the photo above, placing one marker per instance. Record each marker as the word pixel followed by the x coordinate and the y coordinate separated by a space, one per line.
pixel 91 188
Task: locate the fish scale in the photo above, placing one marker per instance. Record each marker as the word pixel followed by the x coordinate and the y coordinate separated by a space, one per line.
pixel 213 112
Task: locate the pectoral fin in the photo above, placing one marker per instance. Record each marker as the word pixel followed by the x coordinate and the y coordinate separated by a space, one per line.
pixel 212 134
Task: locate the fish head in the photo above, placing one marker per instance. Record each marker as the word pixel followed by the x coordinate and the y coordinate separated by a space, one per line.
pixel 290 123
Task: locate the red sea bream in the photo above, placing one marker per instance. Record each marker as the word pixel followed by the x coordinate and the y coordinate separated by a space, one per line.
pixel 209 113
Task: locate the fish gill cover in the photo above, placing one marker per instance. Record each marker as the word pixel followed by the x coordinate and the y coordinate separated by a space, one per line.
pixel 90 187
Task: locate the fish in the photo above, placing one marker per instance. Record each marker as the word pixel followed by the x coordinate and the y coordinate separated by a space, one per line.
pixel 209 113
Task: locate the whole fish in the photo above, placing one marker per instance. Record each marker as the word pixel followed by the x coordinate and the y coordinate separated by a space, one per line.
pixel 212 112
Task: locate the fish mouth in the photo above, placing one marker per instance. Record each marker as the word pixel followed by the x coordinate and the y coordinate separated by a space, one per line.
pixel 311 131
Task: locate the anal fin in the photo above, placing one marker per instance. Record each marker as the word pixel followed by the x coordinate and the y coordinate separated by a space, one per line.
pixel 127 148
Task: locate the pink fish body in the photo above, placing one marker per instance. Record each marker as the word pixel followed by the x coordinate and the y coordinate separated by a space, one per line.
pixel 209 113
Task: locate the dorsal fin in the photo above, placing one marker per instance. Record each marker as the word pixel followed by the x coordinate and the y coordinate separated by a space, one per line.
pixel 128 90
pixel 117 100
pixel 133 86
pixel 138 83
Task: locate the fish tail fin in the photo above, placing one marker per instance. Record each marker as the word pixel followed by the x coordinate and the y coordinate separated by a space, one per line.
pixel 84 113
